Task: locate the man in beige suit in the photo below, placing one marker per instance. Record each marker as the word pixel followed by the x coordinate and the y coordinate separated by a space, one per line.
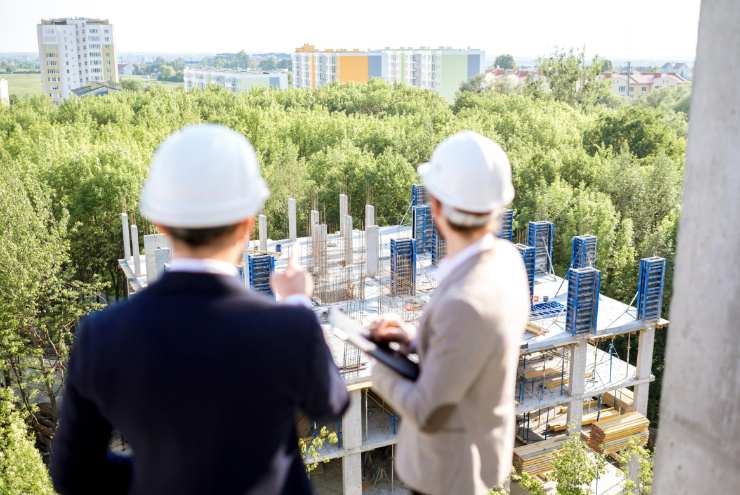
pixel 457 428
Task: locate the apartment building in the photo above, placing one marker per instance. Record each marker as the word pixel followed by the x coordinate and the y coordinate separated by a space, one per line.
pixel 73 52
pixel 233 80
pixel 439 69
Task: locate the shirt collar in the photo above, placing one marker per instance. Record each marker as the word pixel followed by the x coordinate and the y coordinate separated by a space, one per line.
pixel 449 264
pixel 198 265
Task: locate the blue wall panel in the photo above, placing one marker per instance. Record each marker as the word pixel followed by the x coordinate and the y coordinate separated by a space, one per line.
pixel 374 66
pixel 473 66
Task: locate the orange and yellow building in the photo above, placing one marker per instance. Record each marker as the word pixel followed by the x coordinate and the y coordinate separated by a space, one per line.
pixel 439 69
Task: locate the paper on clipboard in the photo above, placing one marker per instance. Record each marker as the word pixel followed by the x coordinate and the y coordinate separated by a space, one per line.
pixel 349 330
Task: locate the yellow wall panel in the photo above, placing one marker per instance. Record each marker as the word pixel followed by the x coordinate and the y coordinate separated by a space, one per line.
pixel 352 68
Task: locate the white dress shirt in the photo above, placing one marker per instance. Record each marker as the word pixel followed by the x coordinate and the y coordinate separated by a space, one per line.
pixel 202 265
pixel 448 264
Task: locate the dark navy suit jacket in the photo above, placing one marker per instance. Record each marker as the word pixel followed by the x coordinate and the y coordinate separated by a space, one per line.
pixel 204 380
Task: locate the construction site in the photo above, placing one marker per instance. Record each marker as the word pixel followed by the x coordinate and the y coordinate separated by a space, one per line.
pixel 570 376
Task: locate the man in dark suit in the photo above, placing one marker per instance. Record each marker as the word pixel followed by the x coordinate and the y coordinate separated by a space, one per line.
pixel 202 378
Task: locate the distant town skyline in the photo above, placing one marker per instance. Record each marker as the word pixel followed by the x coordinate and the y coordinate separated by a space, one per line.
pixel 631 29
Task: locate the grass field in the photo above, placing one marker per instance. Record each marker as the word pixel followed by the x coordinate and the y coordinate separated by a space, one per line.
pixel 30 84
pixel 23 84
pixel 151 82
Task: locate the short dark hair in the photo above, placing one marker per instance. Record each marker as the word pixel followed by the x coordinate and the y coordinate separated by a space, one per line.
pixel 200 237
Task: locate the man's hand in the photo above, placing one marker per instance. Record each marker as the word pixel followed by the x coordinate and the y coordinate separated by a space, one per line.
pixel 391 329
pixel 293 281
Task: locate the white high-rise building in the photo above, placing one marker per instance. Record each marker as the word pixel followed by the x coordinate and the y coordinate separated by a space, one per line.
pixel 73 52
pixel 4 93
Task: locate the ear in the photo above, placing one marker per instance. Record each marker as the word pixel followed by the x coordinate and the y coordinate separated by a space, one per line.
pixel 436 207
pixel 246 227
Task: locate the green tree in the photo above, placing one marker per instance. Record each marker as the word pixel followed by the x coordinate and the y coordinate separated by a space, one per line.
pixel 311 446
pixel 576 467
pixel 644 458
pixel 571 80
pixel 22 472
pixel 268 64
pixel 530 483
pixel 40 300
pixel 641 130
pixel 505 61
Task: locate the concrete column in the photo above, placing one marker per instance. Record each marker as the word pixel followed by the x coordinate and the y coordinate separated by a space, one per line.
pixel 314 217
pixel 349 253
pixel 645 344
pixel 373 249
pixel 162 256
pixel 576 385
pixel 263 232
pixel 352 439
pixel 343 207
pixel 135 249
pixel 291 219
pixel 152 242
pixel 698 449
pixel 126 236
pixel 369 216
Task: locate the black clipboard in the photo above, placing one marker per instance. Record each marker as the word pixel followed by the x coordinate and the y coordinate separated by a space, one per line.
pixel 348 330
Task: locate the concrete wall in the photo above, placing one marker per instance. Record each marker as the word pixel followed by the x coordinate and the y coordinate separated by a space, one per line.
pixel 698 447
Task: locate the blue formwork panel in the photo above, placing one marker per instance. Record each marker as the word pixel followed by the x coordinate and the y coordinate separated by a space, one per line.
pixel 650 286
pixel 528 256
pixel 260 267
pixel 403 267
pixel 541 236
pixel 422 227
pixel 507 225
pixel 549 309
pixel 439 247
pixel 582 308
pixel 583 251
pixel 419 195
pixel 242 275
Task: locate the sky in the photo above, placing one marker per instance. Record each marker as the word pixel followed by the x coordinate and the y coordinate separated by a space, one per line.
pixel 625 29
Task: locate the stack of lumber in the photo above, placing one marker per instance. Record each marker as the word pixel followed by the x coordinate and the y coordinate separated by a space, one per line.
pixel 588 419
pixel 611 435
pixel 622 398
pixel 556 381
pixel 536 458
pixel 535 373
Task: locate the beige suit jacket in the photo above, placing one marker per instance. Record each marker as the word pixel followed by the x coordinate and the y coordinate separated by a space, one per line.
pixel 457 427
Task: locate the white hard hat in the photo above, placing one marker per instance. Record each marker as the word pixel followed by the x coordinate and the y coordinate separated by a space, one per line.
pixel 469 172
pixel 203 176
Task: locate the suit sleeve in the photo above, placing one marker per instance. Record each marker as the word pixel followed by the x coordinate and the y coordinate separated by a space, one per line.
pixel 325 394
pixel 81 462
pixel 459 347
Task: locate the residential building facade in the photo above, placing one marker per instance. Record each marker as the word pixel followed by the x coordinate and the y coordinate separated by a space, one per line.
pixel 637 84
pixel 680 68
pixel 73 52
pixel 439 69
pixel 233 80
